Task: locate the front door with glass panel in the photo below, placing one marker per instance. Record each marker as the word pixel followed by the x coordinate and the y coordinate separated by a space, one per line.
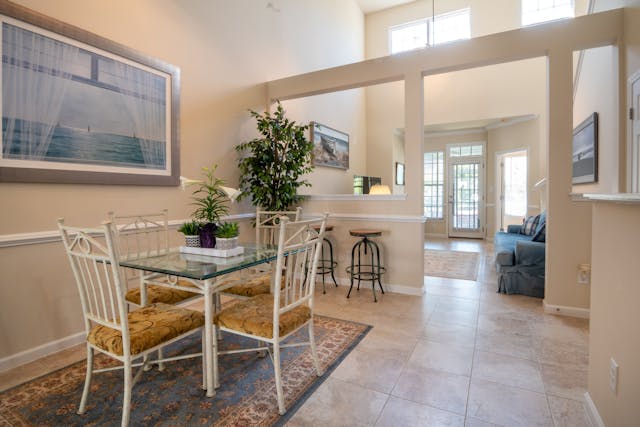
pixel 466 191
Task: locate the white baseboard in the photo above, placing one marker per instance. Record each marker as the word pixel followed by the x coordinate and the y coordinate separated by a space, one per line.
pixel 594 415
pixel 564 310
pixel 388 287
pixel 40 351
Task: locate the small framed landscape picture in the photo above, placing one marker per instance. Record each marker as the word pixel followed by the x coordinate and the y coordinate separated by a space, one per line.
pixel 330 146
pixel 399 173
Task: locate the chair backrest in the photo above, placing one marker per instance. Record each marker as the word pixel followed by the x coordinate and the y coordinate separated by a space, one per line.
pixel 299 245
pixel 141 235
pixel 94 261
pixel 268 224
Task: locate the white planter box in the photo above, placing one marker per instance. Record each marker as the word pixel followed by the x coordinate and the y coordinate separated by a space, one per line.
pixel 223 253
pixel 226 244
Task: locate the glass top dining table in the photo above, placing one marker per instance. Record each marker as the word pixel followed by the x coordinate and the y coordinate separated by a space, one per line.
pixel 202 271
pixel 203 267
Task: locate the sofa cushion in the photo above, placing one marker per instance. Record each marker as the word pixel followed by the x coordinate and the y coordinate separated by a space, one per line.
pixel 542 221
pixel 148 327
pixel 530 225
pixel 541 234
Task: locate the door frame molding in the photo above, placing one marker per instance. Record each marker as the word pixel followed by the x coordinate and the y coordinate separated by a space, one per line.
pixel 498 181
pixel 483 178
pixel 633 165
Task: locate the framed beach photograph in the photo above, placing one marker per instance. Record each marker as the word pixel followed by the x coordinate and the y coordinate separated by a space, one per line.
pixel 585 151
pixel 330 146
pixel 78 108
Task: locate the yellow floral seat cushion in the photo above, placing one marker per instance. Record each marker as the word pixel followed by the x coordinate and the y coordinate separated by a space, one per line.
pixel 163 294
pixel 148 327
pixel 255 316
pixel 248 285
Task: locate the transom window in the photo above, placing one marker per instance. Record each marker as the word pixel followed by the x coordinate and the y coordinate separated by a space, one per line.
pixel 428 32
pixel 537 11
pixel 434 184
pixel 465 150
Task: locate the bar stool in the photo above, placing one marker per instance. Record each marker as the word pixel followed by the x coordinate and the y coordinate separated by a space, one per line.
pixel 326 265
pixel 371 271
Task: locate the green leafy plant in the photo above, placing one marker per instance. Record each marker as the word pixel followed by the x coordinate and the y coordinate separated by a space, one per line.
pixel 209 198
pixel 271 167
pixel 191 228
pixel 227 230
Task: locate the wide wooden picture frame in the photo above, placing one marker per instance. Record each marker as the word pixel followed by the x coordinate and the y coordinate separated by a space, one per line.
pixel 79 108
pixel 330 146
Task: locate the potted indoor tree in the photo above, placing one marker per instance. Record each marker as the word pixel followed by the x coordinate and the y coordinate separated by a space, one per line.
pixel 272 166
pixel 227 235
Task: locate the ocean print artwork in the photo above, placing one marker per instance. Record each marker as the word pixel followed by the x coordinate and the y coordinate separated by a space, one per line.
pixel 70 106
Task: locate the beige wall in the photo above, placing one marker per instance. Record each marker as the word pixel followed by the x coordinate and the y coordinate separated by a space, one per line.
pixel 345 112
pixel 226 50
pixel 613 330
pixel 597 92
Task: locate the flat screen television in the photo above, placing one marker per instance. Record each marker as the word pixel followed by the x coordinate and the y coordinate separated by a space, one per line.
pixel 362 184
pixel 585 151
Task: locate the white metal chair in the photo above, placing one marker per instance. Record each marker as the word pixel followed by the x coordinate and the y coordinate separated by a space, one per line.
pixel 110 328
pixel 257 281
pixel 143 235
pixel 272 318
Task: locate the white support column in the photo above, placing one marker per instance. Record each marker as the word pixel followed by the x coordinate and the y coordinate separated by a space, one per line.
pixel 568 223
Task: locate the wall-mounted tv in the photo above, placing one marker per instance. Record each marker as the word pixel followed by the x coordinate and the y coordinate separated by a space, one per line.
pixel 585 151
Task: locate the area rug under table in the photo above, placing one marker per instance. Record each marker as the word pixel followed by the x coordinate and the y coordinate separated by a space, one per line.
pixel 451 264
pixel 246 396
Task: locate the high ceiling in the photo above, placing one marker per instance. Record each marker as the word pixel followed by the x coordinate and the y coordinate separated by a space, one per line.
pixel 370 6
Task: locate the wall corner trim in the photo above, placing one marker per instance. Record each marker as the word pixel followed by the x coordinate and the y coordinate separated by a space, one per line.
pixel 563 310
pixel 592 410
pixel 49 236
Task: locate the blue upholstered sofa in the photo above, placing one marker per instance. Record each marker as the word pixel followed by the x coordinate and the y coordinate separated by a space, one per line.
pixel 520 261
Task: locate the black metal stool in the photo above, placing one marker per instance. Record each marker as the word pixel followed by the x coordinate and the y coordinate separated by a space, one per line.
pixel 371 271
pixel 326 265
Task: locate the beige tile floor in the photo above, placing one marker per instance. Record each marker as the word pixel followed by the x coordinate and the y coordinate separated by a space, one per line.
pixel 460 355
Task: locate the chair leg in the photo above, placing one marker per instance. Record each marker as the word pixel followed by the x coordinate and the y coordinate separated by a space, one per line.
pixel 160 357
pixel 126 398
pixel 87 381
pixel 276 369
pixel 204 361
pixel 314 352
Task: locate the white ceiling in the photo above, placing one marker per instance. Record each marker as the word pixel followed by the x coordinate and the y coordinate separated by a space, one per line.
pixel 370 6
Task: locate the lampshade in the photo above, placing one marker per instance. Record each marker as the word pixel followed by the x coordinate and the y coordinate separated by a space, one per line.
pixel 380 189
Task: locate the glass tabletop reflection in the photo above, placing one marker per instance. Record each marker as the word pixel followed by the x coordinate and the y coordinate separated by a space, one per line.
pixel 202 267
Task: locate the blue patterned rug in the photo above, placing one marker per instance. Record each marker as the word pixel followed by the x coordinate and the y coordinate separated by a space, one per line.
pixel 174 397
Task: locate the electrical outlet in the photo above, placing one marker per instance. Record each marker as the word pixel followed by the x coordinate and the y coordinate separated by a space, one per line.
pixel 613 375
pixel 584 274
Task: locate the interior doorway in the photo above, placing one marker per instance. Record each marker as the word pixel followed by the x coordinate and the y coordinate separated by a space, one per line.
pixel 511 182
